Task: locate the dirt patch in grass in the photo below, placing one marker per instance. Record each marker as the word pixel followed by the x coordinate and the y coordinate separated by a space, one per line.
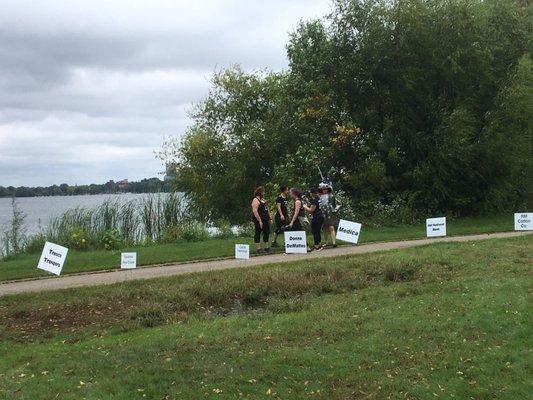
pixel 146 304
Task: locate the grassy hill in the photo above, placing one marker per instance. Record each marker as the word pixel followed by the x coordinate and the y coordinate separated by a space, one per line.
pixel 441 321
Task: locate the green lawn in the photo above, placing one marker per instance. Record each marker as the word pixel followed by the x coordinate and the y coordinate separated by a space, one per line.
pixel 24 266
pixel 450 320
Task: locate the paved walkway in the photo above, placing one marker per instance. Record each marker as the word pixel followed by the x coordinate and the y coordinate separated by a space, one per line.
pixel 114 276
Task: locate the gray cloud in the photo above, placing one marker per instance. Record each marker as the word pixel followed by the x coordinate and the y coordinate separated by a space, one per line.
pixel 89 89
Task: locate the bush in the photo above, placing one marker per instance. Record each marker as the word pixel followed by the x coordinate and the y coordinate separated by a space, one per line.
pixel 78 240
pixel 111 240
pixel 35 243
pixel 223 229
pixel 194 232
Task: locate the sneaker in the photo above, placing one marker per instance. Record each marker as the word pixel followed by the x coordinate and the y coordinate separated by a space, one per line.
pixel 335 245
pixel 267 250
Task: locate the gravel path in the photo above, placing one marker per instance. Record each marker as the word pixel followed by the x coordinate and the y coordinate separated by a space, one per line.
pixel 114 276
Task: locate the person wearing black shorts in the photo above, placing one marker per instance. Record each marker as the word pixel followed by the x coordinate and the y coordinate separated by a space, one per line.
pixel 317 220
pixel 281 218
pixel 261 219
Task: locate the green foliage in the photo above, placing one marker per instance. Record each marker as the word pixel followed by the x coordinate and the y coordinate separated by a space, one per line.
pixel 13 239
pixel 111 239
pixel 421 106
pixel 78 239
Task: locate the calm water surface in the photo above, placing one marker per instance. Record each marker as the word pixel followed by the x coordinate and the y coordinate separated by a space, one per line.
pixel 39 210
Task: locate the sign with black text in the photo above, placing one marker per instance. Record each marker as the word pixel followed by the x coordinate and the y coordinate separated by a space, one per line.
pixel 52 258
pixel 348 231
pixel 242 251
pixel 128 260
pixel 295 242
pixel 523 222
pixel 436 227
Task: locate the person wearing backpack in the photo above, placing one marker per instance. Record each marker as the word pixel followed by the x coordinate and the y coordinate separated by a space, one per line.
pixel 330 208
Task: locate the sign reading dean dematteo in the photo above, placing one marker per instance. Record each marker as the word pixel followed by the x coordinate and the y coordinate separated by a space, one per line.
pixel 348 231
pixel 52 258
pixel 295 242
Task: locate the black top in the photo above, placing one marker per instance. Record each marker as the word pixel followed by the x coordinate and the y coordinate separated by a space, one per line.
pixel 317 213
pixel 262 210
pixel 283 205
pixel 301 213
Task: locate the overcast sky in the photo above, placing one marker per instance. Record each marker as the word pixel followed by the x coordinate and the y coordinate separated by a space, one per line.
pixel 89 89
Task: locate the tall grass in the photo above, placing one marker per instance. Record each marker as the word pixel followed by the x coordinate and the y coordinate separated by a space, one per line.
pixel 114 224
pixel 154 218
pixel 13 239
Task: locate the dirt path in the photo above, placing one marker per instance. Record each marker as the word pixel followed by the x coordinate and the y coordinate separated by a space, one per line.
pixel 114 276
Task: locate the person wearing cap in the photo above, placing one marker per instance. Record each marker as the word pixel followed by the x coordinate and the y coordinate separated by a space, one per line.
pixel 330 208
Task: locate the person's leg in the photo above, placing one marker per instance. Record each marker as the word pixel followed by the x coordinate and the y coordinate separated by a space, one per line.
pixel 257 235
pixel 278 231
pixel 266 232
pixel 332 233
pixel 315 228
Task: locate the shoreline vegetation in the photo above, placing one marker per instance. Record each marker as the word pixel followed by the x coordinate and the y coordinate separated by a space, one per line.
pixel 150 185
pixel 161 229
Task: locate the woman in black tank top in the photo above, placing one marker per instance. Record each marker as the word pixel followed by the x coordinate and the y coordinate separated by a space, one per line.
pixel 261 219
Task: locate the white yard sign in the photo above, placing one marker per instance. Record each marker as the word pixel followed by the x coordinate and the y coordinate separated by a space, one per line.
pixel 436 227
pixel 295 242
pixel 242 251
pixel 52 258
pixel 523 222
pixel 348 231
pixel 128 260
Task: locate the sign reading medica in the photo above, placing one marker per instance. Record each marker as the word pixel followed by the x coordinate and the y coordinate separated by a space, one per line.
pixel 52 258
pixel 295 242
pixel 348 231
pixel 523 222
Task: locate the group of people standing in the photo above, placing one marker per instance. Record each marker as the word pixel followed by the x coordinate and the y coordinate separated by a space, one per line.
pixel 321 206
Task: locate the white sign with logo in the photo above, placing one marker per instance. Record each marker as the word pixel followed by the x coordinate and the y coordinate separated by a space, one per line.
pixel 348 231
pixel 436 227
pixel 295 242
pixel 242 251
pixel 523 222
pixel 128 260
pixel 52 258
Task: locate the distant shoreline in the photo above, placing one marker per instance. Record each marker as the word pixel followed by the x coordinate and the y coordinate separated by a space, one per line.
pixel 150 185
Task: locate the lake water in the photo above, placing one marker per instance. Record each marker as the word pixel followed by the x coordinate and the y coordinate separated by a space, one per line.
pixel 39 210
